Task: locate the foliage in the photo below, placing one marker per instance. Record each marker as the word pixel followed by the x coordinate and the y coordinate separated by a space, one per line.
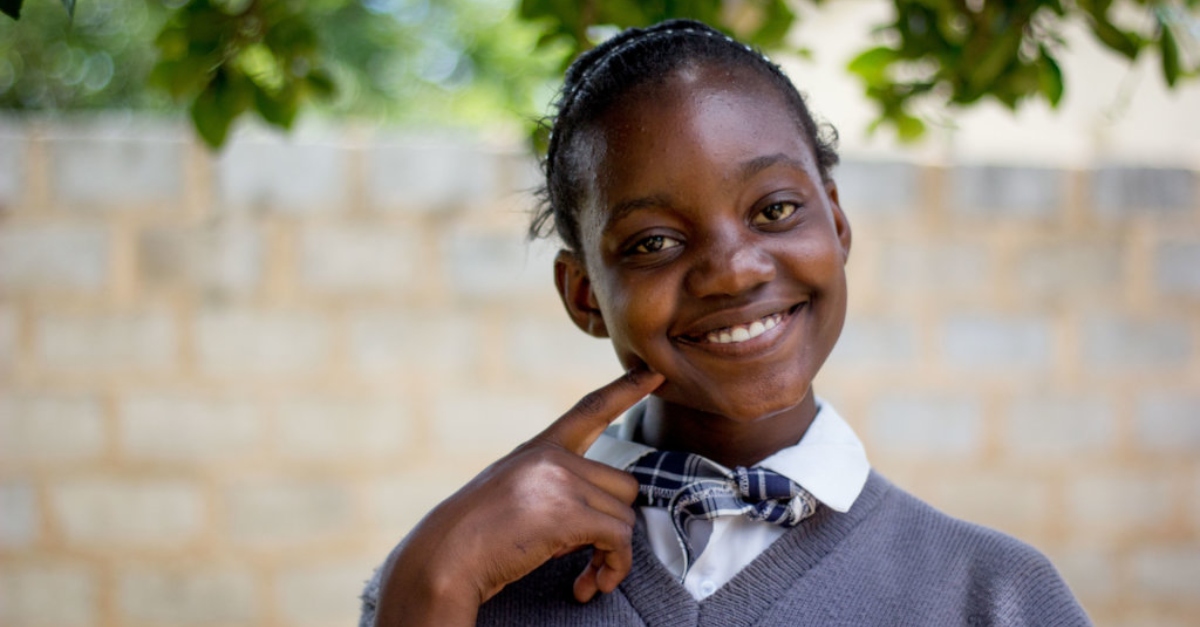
pixel 960 52
pixel 441 62
pixel 952 51
pixel 482 61
pixel 12 8
pixel 98 60
pixel 227 57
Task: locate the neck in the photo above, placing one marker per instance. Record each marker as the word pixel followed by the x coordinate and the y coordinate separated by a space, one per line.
pixel 671 427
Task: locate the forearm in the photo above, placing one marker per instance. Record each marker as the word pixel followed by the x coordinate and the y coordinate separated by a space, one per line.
pixel 417 590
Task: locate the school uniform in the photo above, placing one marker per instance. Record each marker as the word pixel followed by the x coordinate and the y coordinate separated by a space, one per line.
pixel 870 555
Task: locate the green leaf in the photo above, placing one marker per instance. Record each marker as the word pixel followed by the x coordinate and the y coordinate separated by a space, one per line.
pixel 292 37
pixel 1006 94
pixel 278 109
pixel 184 77
pixel 1050 78
pixel 321 84
pixel 873 64
pixel 210 119
pixel 999 56
pixel 548 38
pixel 620 12
pixel 1170 56
pixel 215 109
pixel 172 43
pixel 204 26
pixel 908 128
pixel 11 8
pixel 776 24
pixel 1115 38
pixel 69 5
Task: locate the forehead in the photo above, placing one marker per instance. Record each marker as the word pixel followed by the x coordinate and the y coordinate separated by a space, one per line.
pixel 700 122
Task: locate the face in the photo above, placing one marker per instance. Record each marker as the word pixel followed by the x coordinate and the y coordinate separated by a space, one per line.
pixel 712 250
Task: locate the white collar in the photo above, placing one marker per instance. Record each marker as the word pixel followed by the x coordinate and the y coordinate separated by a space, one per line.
pixel 829 460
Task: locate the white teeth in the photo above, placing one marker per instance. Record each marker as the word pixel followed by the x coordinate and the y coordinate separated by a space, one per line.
pixel 743 332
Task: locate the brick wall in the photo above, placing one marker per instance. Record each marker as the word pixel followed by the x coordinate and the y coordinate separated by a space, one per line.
pixel 228 385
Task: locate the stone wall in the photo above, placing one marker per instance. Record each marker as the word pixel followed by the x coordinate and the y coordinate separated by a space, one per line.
pixel 228 385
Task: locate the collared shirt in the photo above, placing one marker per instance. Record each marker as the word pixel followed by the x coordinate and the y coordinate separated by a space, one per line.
pixel 829 461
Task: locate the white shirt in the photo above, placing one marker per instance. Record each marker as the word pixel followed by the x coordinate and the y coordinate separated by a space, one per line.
pixel 829 461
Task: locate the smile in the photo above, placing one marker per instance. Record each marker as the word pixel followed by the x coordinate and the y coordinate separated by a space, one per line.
pixel 740 337
pixel 743 332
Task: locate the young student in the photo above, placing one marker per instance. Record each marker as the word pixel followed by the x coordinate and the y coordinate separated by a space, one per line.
pixel 702 234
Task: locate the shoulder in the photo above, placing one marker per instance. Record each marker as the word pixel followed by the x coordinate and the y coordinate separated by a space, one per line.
pixel 931 533
pixel 982 571
pixel 904 516
pixel 894 525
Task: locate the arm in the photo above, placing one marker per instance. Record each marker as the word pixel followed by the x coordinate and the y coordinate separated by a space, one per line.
pixel 541 501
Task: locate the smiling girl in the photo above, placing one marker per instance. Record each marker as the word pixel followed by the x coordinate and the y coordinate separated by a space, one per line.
pixel 702 234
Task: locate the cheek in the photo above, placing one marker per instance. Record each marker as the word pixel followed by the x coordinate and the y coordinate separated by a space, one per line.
pixel 818 262
pixel 635 315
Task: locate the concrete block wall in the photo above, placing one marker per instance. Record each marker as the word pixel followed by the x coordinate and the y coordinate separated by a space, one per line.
pixel 229 384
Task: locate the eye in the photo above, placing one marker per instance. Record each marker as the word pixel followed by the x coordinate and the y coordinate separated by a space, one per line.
pixel 654 244
pixel 774 213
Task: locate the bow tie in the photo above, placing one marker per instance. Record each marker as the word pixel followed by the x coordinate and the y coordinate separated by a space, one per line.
pixel 692 487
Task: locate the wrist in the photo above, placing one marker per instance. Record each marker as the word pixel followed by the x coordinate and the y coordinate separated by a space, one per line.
pixel 419 590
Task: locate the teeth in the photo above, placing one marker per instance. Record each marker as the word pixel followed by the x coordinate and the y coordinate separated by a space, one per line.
pixel 743 332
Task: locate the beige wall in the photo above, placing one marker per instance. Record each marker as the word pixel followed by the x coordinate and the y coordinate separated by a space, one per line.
pixel 228 386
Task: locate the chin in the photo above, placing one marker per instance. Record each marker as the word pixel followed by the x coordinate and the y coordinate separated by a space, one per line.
pixel 746 404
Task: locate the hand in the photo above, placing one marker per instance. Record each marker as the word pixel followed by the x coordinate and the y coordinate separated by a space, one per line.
pixel 541 501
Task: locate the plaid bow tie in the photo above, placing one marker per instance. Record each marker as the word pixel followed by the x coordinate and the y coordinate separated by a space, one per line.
pixel 691 487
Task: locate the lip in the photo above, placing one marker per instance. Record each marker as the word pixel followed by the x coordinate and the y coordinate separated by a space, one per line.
pixel 695 337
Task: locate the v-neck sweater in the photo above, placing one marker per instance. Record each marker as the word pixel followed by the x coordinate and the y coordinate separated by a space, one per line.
pixel 829 461
pixel 890 560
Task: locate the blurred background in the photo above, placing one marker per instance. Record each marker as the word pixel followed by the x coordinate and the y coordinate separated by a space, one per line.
pixel 265 296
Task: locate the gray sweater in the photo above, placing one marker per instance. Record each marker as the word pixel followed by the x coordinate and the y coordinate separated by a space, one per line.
pixel 890 560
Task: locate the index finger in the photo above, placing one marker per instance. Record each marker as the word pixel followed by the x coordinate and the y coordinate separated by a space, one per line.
pixel 577 429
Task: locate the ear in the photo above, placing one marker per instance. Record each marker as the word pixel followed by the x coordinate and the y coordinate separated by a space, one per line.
pixel 575 289
pixel 841 223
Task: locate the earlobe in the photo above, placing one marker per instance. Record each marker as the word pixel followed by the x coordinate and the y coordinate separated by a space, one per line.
pixel 841 223
pixel 575 289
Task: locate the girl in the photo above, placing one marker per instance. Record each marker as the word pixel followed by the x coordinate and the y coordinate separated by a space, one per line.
pixel 702 234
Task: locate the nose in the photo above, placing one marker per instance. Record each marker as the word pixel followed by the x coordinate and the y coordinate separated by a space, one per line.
pixel 728 266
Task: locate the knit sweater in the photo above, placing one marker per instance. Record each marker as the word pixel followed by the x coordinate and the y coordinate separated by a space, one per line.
pixel 890 560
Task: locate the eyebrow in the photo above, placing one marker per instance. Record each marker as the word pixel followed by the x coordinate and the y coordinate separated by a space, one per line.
pixel 746 170
pixel 758 164
pixel 626 207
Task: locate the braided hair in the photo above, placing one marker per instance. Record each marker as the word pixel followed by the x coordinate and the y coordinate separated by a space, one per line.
pixel 636 57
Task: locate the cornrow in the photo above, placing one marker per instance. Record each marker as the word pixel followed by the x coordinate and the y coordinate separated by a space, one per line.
pixel 580 84
pixel 600 76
